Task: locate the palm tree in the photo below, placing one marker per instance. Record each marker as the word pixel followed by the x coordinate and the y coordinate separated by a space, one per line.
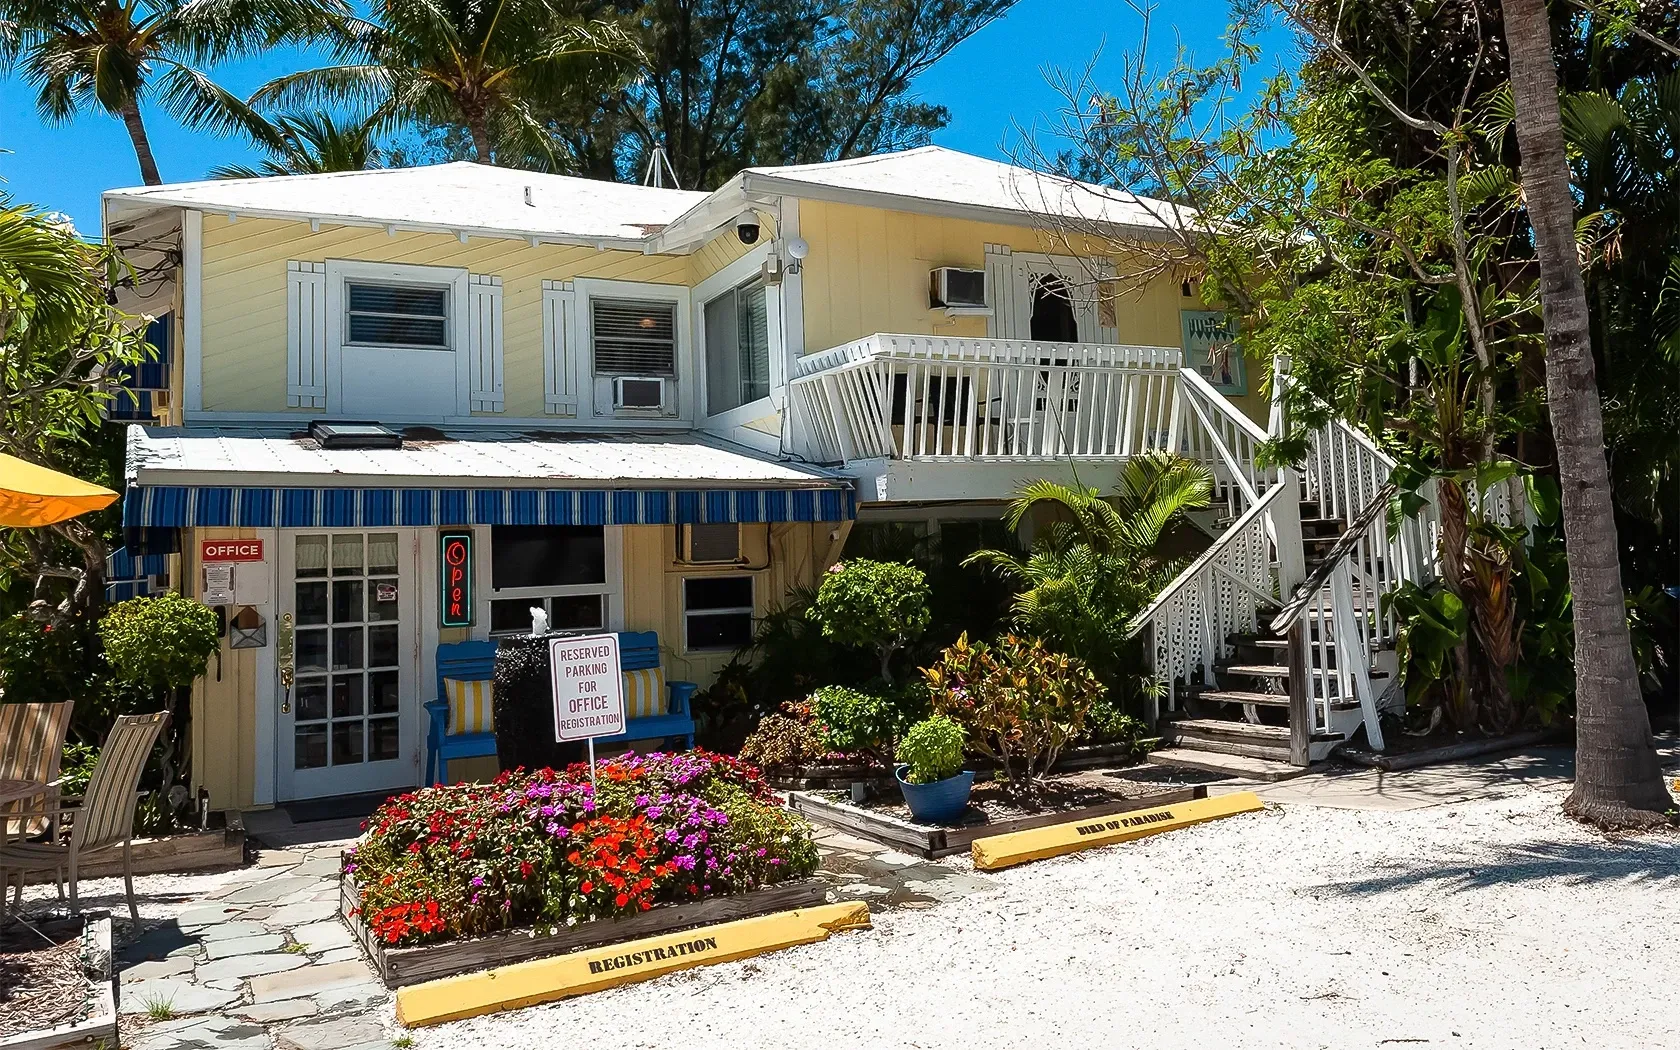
pixel 114 55
pixel 482 67
pixel 1618 782
pixel 315 143
pixel 1100 560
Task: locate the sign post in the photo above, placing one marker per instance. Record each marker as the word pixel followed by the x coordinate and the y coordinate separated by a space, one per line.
pixel 588 689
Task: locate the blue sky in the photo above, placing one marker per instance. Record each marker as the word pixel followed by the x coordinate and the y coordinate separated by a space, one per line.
pixel 992 82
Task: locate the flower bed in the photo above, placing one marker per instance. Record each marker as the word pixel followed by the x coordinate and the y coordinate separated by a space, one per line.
pixel 546 852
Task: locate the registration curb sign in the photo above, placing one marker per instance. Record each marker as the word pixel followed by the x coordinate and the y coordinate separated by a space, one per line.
pixel 588 687
pixel 610 965
pixel 1003 851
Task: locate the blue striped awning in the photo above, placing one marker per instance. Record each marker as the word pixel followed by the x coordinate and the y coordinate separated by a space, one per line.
pixel 352 508
pixel 127 575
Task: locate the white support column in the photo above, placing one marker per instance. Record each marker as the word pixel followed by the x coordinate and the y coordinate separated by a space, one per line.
pixel 192 320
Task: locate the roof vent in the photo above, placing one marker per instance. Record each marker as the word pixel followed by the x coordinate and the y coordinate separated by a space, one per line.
pixel 353 433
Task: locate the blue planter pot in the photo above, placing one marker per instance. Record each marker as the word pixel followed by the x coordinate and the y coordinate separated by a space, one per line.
pixel 941 802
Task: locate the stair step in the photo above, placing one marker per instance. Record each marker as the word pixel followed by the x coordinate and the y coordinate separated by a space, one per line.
pixel 1257 670
pixel 1237 696
pixel 1230 765
pixel 1226 727
pixel 1222 737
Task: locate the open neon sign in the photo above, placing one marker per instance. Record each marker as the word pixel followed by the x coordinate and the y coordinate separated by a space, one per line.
pixel 455 550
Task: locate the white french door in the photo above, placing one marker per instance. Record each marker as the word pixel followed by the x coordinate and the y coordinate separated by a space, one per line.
pixel 348 723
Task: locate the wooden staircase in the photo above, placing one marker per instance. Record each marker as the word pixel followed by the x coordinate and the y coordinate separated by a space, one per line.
pixel 1240 723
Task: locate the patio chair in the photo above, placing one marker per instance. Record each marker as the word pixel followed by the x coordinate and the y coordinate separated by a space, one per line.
pixel 105 817
pixel 31 748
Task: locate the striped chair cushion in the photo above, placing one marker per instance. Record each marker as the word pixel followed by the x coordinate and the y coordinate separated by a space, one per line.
pixel 470 707
pixel 644 693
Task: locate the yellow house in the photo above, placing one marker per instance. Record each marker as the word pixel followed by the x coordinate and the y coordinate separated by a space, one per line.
pixel 645 409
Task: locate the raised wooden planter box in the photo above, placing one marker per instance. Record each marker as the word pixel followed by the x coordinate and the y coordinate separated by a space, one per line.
pixel 404 966
pixel 839 778
pixel 1448 753
pixel 930 841
pixel 100 1026
pixel 192 851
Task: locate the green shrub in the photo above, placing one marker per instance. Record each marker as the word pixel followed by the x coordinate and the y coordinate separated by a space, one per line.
pixel 876 605
pixel 854 721
pixel 1106 723
pixel 785 741
pixel 933 749
pixel 160 643
pixel 1020 702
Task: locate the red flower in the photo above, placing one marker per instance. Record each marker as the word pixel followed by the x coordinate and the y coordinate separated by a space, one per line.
pixel 621 900
pixel 525 869
pixel 587 886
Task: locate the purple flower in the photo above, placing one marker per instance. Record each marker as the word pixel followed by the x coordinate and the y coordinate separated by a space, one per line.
pixel 477 880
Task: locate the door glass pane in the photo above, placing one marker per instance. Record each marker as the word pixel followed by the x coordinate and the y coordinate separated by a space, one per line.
pixel 309 699
pixel 383 744
pixel 347 601
pixel 382 646
pixel 347 743
pixel 382 692
pixel 347 696
pixel 347 648
pixel 382 554
pixel 382 600
pixel 311 652
pixel 311 556
pixel 310 747
pixel 312 602
pixel 347 555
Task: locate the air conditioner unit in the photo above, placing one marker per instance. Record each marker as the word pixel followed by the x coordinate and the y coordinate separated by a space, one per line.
pixel 638 392
pixel 957 289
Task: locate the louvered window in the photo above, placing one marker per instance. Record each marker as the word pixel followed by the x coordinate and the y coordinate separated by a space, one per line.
pixel 410 316
pixel 633 338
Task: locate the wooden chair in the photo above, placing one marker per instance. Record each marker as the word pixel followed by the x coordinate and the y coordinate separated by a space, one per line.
pixel 31 748
pixel 105 817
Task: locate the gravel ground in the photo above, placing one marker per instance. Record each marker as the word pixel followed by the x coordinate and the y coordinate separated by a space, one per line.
pixel 1494 923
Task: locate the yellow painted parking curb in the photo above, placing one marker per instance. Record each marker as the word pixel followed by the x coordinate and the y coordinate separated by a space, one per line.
pixel 610 965
pixel 1002 851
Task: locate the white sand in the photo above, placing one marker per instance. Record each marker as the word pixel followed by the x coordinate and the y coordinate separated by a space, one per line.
pixel 1495 923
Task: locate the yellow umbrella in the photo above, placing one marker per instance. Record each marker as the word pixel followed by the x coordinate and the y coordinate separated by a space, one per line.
pixel 32 496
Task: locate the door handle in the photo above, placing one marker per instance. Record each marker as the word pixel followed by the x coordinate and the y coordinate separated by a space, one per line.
pixel 285 638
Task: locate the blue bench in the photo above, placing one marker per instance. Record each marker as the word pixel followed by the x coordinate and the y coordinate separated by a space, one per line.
pixel 474 661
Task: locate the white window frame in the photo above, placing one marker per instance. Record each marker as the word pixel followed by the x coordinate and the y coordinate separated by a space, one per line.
pixel 611 590
pixel 589 385
pixel 448 346
pixel 725 281
pixel 341 272
pixel 750 610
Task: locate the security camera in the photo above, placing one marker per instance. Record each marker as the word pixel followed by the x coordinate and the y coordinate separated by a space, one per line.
pixel 746 228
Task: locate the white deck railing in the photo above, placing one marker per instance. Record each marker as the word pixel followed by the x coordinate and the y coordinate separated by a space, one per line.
pixel 917 397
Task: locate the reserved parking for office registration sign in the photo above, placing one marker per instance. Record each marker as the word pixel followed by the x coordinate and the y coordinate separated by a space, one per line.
pixel 588 687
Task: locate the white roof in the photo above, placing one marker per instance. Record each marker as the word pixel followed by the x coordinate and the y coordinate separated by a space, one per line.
pixel 200 456
pixel 461 197
pixel 936 175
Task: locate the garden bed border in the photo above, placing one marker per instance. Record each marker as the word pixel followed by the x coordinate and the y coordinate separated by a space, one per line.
pixel 931 842
pixel 101 1020
pixel 1448 752
pixel 398 967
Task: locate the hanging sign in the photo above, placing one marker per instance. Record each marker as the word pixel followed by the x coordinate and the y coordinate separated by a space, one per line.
pixel 588 687
pixel 1211 348
pixel 455 576
pixel 230 550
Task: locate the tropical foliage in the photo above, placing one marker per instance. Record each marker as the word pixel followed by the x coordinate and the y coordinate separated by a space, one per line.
pixel 877 606
pixel 933 749
pixel 313 144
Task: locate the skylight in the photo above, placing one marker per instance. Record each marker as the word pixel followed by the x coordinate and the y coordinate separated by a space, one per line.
pixel 351 433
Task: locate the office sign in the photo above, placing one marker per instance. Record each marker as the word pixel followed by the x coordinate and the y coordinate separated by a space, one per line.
pixel 588 687
pixel 230 550
pixel 455 577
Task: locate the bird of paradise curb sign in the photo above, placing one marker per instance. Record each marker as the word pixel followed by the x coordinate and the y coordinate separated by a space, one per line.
pixel 1003 851
pixel 594 969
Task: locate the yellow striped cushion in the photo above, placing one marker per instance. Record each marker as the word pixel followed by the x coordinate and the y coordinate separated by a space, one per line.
pixel 644 693
pixel 469 706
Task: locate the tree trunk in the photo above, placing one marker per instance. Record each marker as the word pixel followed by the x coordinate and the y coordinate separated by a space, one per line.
pixel 1617 779
pixel 130 113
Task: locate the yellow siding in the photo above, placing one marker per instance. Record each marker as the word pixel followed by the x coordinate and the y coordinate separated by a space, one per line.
pixel 244 331
pixel 224 702
pixel 780 557
pixel 868 272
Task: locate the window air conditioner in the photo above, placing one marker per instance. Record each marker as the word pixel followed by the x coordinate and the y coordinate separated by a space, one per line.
pixel 956 288
pixel 638 392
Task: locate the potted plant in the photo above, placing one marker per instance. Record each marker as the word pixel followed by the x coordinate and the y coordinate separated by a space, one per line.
pixel 935 784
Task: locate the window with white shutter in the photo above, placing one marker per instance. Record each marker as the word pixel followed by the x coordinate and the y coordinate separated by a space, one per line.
pixel 560 396
pixel 484 342
pixel 631 337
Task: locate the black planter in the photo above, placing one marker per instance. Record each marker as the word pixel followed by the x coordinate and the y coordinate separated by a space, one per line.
pixel 525 708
